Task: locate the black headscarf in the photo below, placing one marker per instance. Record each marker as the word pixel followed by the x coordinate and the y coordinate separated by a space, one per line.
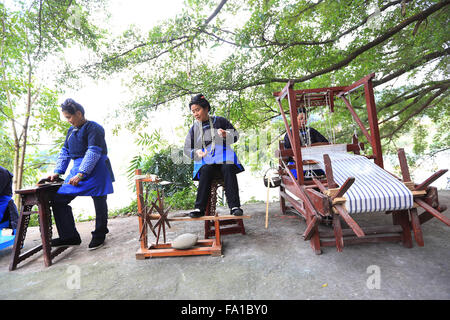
pixel 200 100
pixel 71 106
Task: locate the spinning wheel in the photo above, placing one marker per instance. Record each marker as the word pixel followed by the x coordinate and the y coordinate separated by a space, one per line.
pixel 153 209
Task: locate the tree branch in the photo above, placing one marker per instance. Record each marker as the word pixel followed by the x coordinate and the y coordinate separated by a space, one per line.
pixel 185 38
pixel 215 13
pixel 288 44
pixel 403 109
pixel 420 96
pixel 391 32
pixel 353 55
pixel 406 96
pixel 423 107
pixel 415 64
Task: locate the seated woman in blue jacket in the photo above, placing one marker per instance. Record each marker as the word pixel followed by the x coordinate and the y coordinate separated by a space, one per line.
pixel 208 144
pixel 91 175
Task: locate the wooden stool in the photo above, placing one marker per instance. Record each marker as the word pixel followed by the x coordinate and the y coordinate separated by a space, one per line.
pixel 225 226
pixel 39 196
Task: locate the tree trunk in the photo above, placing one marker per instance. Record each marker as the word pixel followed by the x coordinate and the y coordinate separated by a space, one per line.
pixel 24 134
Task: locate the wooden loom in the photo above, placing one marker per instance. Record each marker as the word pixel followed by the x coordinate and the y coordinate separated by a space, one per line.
pixel 321 197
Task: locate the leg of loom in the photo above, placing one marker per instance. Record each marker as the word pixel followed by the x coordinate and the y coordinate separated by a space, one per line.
pixel 217 241
pixel 338 232
pixel 415 221
pixel 315 242
pixel 282 201
pixel 207 222
pixel 241 225
pixel 44 211
pixel 22 226
pixel 401 218
pixel 311 213
pixel 315 238
pixel 415 224
pixel 310 229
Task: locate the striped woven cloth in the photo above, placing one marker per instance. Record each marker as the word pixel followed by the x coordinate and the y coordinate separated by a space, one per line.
pixel 374 189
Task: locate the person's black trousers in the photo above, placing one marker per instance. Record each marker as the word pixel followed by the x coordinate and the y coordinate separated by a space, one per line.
pixel 65 223
pixel 210 171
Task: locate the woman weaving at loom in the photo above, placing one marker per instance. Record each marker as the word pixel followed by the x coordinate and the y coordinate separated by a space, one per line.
pixel 91 175
pixel 308 136
pixel 208 144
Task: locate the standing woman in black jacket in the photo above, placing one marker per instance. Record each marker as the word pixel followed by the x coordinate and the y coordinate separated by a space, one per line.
pixel 208 144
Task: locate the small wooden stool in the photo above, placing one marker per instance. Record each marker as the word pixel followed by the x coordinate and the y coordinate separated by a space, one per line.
pixel 225 226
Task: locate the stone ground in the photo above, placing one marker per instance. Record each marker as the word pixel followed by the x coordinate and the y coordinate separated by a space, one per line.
pixel 273 263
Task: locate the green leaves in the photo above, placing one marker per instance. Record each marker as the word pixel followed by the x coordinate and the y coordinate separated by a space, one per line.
pixel 33 33
pixel 249 49
pixel 162 164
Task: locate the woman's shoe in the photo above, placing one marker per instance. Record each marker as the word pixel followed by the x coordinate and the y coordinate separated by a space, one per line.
pixel 196 213
pixel 237 211
pixel 96 243
pixel 58 242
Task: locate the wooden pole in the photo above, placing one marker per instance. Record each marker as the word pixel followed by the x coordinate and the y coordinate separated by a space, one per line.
pixel 267 204
pixel 139 193
pixel 373 123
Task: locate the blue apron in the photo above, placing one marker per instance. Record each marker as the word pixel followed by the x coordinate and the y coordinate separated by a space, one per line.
pixel 222 154
pixel 97 183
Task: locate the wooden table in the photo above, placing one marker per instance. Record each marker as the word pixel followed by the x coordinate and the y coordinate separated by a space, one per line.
pixel 37 196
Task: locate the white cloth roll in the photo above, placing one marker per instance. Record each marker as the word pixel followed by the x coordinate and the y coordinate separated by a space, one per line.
pixel 374 189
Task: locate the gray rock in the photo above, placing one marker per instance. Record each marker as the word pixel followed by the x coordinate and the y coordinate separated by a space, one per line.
pixel 185 241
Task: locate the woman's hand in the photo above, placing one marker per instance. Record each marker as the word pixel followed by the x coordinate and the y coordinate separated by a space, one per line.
pixel 53 177
pixel 200 153
pixel 222 133
pixel 76 179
